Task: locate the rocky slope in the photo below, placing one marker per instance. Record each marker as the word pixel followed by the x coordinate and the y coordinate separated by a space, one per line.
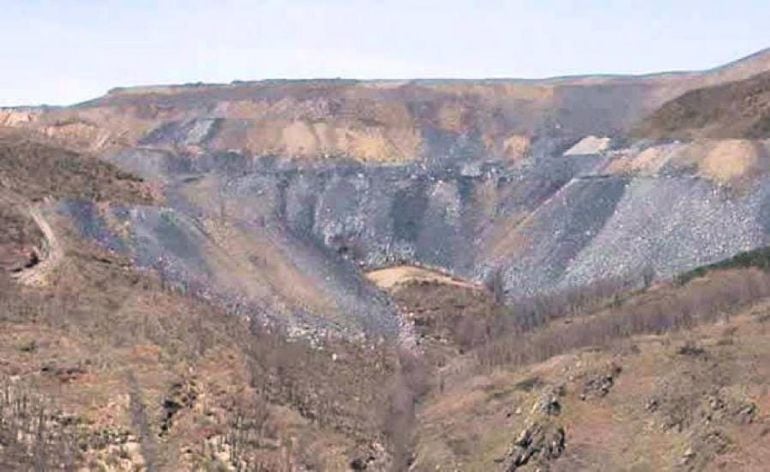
pixel 105 366
pixel 292 184
pixel 384 246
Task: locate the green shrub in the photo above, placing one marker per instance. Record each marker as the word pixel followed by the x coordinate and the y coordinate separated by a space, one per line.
pixel 759 258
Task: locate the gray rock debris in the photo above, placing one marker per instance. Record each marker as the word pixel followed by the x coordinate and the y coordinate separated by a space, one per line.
pixel 538 443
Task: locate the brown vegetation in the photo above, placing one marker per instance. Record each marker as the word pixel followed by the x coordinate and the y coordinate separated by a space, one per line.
pixel 452 317
pixel 107 367
pixel 733 110
pixel 203 387
pixel 33 169
pixel 18 240
pixel 33 435
pixel 658 311
pixel 689 400
pixel 211 390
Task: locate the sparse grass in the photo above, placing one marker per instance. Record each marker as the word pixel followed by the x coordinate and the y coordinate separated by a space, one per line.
pixel 661 405
pixel 101 329
pixel 664 310
pixel 731 110
pixel 103 319
pixel 35 169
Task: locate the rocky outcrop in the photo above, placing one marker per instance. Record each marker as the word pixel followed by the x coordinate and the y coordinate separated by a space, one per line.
pixel 549 403
pixel 182 395
pixel 371 457
pixel 599 384
pixel 537 444
pixel 543 439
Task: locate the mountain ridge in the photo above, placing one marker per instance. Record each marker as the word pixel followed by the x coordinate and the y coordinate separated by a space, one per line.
pixel 759 60
pixel 386 121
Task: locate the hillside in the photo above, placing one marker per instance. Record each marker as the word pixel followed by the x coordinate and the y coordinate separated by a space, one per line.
pixel 103 366
pixel 690 401
pixel 557 274
pixel 106 368
pixel 131 375
pixel 33 171
pixel 738 109
pixel 471 177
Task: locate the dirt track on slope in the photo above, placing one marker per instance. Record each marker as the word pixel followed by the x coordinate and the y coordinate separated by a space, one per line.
pixel 50 252
pixel 49 256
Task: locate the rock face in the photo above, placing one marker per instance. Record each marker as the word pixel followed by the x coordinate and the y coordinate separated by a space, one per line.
pixel 277 193
pixel 539 443
pixel 600 384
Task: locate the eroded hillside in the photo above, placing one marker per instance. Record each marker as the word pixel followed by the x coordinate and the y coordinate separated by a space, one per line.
pixel 389 275
pixel 108 366
pixel 538 180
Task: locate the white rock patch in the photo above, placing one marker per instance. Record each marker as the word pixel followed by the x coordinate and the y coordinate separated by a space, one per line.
pixel 589 145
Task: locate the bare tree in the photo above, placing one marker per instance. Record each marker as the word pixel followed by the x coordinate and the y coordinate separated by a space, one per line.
pixel 495 283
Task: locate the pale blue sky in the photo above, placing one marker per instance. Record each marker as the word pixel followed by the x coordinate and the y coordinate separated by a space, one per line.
pixel 65 51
